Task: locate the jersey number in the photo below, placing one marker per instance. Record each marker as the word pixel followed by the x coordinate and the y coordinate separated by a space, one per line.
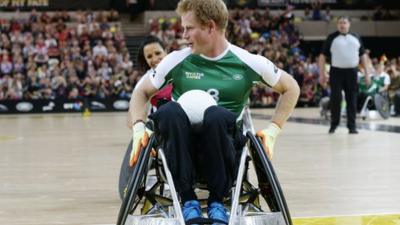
pixel 214 93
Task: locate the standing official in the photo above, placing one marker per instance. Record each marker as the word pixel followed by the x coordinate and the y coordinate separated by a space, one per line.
pixel 344 49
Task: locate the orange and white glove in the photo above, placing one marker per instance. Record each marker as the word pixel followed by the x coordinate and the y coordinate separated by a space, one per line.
pixel 268 137
pixel 140 139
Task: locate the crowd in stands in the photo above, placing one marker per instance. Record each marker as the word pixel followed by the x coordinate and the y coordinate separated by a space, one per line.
pixel 63 54
pixel 382 13
pixel 83 54
pixel 317 11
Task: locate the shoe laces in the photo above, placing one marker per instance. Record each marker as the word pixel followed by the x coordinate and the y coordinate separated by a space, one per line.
pixel 190 208
pixel 218 210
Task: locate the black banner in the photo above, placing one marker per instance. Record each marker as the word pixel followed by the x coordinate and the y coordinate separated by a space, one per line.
pixel 164 4
pixel 10 4
pixel 63 105
pixel 54 4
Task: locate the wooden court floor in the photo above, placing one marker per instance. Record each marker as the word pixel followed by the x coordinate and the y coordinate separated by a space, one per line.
pixel 63 169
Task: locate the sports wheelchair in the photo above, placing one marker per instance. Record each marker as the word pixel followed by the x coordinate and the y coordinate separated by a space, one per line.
pixel 373 98
pixel 370 100
pixel 160 207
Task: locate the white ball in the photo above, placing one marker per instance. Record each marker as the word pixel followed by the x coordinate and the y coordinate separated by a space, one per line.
pixel 195 103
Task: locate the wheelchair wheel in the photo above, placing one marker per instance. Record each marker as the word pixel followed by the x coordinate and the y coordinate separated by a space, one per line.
pixel 136 182
pixel 271 189
pixel 324 108
pixel 125 172
pixel 382 105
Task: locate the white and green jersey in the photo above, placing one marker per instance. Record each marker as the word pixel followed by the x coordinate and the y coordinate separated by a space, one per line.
pixel 228 77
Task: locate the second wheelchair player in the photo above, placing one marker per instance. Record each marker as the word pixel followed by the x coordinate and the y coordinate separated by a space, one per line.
pixel 376 92
pixel 150 53
pixel 226 72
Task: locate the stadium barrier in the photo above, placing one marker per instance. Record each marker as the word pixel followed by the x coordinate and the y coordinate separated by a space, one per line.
pixel 63 105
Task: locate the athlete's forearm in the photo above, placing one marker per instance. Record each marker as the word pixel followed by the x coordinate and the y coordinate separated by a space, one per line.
pixel 287 101
pixel 138 109
pixel 285 107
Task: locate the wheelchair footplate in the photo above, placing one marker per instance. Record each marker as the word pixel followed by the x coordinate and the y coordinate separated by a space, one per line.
pixel 260 218
pixel 256 218
pixel 150 220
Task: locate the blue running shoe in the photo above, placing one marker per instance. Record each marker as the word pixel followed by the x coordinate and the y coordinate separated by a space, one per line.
pixel 217 211
pixel 191 209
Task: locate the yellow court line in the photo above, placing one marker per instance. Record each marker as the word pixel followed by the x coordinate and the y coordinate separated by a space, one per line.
pixel 389 219
pixel 7 138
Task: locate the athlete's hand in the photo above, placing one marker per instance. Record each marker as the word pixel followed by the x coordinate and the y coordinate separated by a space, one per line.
pixel 140 137
pixel 268 137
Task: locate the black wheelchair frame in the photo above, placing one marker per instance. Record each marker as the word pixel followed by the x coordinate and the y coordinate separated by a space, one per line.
pixel 244 194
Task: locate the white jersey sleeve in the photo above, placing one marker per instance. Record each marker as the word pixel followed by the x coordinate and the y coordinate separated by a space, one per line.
pixel 145 76
pixel 265 68
pixel 159 76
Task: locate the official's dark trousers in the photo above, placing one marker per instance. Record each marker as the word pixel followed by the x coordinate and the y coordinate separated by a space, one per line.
pixel 211 151
pixel 346 80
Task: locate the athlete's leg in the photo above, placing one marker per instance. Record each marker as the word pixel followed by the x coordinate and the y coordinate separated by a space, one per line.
pixel 173 125
pixel 220 139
